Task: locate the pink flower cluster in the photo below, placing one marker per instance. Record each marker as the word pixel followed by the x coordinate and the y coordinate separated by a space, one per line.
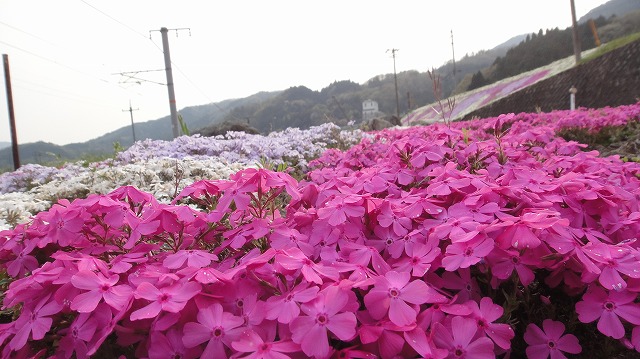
pixel 394 248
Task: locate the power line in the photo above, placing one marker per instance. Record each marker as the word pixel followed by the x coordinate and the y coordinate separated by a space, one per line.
pixel 192 83
pixel 114 19
pixel 54 62
pixel 56 93
pixel 27 33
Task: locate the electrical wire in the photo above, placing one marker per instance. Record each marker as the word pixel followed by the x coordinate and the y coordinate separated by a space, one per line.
pixel 19 82
pixel 114 19
pixel 54 62
pixel 162 51
pixel 27 33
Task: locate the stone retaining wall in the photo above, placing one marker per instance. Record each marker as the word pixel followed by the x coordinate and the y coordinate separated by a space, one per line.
pixel 610 80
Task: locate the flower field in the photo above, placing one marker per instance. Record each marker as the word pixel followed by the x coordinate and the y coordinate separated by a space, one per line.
pixel 478 239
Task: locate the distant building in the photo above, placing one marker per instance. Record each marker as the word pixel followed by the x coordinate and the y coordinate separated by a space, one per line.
pixel 370 110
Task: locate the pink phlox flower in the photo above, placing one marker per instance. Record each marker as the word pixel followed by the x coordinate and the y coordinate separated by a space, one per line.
pixel 613 260
pixel 480 213
pixel 210 275
pixel 466 254
pixel 79 333
pixel 403 245
pixel 461 281
pixel 65 225
pixel 274 179
pixel 133 196
pixel 549 341
pixel 419 259
pixel 170 345
pixel 283 237
pixel 286 307
pixel 140 227
pixel 607 307
pixel 23 262
pixel 457 230
pixel 81 261
pixel 432 153
pixel 394 293
pixel 172 298
pixel 323 239
pixel 242 234
pixel 635 338
pixel 193 258
pixel 337 210
pixel 377 183
pixel 173 219
pixel 485 315
pixel 99 287
pixel 389 217
pixel 139 254
pixel 459 341
pixel 112 211
pixel 446 180
pixel 293 259
pixel 504 262
pixel 203 188
pixel 324 314
pixel 562 239
pixel 520 233
pixel 535 181
pixel 238 193
pixel 382 333
pixel 423 345
pixel 386 240
pixel 258 347
pixel 353 353
pixel 215 327
pixel 154 273
pixel 247 306
pixel 365 257
pixel 35 321
pixel 416 205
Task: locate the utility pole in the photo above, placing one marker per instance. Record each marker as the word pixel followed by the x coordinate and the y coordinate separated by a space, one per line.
pixel 395 79
pixel 167 64
pixel 130 110
pixel 576 36
pixel 453 53
pixel 12 118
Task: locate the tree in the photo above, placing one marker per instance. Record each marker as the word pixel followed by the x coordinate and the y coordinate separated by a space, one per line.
pixel 477 81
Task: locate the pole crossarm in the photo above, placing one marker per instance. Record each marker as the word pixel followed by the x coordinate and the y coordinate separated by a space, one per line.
pixel 132 77
pixel 177 30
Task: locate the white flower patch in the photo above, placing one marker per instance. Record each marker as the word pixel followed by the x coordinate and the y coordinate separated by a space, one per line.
pixel 162 177
pixel 18 207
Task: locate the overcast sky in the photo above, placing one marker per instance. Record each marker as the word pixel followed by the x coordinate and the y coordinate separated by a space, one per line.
pixel 63 54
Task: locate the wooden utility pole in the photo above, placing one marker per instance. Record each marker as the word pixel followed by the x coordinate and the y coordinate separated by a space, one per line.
pixel 576 36
pixel 130 110
pixel 395 80
pixel 12 118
